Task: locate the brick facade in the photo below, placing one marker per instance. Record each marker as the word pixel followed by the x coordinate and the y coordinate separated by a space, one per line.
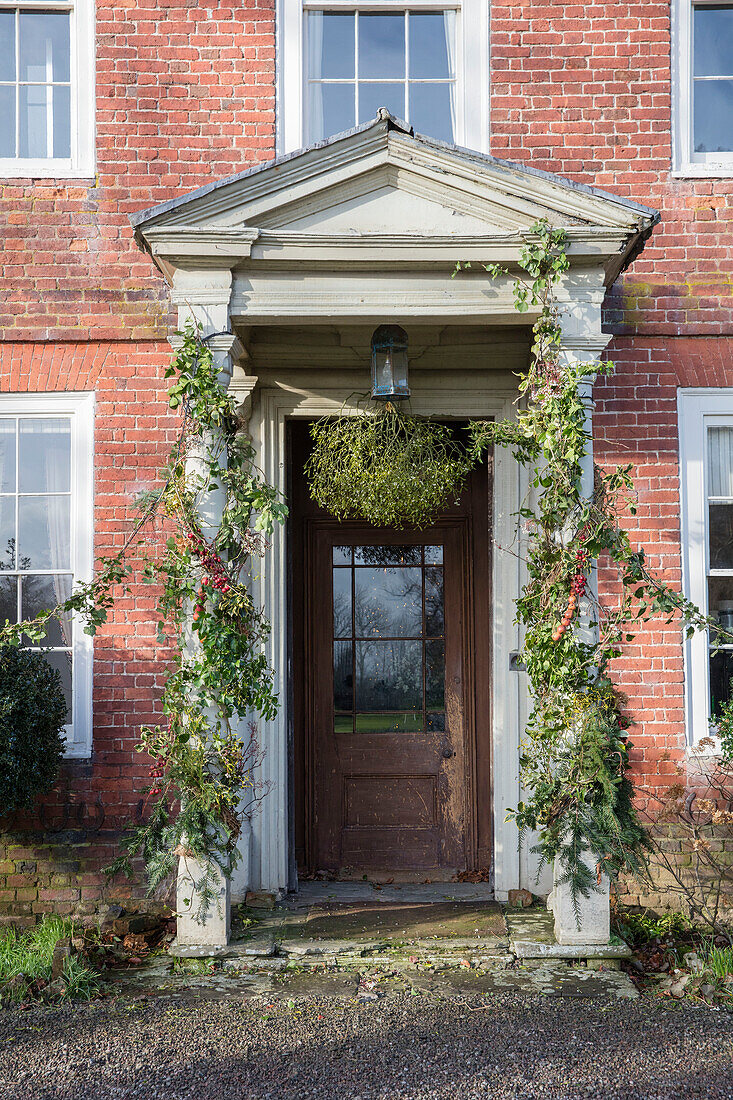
pixel 186 94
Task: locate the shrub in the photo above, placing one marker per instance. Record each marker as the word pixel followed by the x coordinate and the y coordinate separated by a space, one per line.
pixel 32 716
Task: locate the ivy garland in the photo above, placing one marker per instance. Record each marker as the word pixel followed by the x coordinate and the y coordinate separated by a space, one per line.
pixel 211 631
pixel 387 467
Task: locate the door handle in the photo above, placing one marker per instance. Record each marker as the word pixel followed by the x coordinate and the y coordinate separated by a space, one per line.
pixel 448 754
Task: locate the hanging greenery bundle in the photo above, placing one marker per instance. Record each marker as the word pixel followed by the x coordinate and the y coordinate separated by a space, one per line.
pixel 387 467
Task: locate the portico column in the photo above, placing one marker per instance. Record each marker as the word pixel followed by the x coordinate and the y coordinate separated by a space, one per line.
pixel 593 925
pixel 203 296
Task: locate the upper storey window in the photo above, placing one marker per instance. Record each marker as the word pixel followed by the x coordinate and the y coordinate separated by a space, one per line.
pixel 425 61
pixel 46 89
pixel 704 115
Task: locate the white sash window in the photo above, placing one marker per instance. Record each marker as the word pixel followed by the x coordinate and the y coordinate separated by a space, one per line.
pixel 702 82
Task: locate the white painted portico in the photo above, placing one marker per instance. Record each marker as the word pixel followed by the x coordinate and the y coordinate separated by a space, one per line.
pixel 294 263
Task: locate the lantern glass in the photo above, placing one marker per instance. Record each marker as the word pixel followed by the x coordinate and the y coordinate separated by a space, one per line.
pixel 389 362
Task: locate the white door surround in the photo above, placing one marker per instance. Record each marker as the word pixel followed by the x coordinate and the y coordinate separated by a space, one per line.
pixel 365 229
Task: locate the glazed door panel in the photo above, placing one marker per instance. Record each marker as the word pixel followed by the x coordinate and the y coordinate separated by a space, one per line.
pixel 387 668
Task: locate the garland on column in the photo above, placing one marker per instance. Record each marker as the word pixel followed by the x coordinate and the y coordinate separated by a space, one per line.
pixel 210 631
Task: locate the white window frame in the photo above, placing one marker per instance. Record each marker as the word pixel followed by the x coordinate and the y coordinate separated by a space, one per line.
pixel 472 63
pixel 687 163
pixel 79 407
pixel 81 163
pixel 698 410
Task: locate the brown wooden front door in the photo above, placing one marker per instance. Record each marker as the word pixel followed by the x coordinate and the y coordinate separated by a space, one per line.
pixel 388 713
pixel 390 632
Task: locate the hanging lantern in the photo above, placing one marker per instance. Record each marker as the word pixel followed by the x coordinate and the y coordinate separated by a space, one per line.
pixel 389 363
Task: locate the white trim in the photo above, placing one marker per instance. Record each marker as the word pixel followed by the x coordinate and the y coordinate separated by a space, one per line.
pixel 472 64
pixel 268 427
pixel 698 409
pixel 81 163
pixel 80 408
pixel 687 164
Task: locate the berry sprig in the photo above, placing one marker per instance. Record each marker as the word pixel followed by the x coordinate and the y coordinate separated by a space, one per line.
pixel 216 577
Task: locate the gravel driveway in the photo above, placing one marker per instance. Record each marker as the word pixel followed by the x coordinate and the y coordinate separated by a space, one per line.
pixel 508 1046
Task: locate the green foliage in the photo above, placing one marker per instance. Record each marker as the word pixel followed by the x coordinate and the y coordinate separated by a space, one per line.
pixel 638 929
pixel 212 632
pixel 32 717
pixel 30 953
pixel 387 467
pixel 719 961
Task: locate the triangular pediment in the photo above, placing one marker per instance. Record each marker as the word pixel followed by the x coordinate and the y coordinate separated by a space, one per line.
pixel 381 182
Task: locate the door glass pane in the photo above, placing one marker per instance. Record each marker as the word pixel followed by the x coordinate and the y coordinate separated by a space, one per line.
pixel 44 528
pixel 44 46
pixel 713 116
pixel 721 536
pixel 7 456
pixel 8 600
pixel 7 45
pixel 7 532
pixel 432 44
pixel 408 722
pixel 7 121
pixel 382 46
pixel 343 676
pixel 331 46
pixel 433 555
pixel 41 593
pixel 388 675
pixel 434 619
pixel 342 603
pixel 435 674
pixel 63 665
pixel 436 722
pixel 388 602
pixel 432 110
pixel 45 456
pixel 713 40
pixel 342 555
pixel 387 555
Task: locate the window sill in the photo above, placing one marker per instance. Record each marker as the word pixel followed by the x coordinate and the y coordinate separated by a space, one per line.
pixel 43 169
pixel 704 171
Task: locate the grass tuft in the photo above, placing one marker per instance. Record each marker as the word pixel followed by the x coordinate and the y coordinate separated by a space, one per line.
pixel 30 953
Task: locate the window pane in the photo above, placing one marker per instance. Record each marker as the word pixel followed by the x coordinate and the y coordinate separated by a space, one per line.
pixel 436 722
pixel 8 600
pixel 433 555
pixel 343 676
pixel 44 46
pixel 44 452
pixel 713 36
pixel 342 603
pixel 44 533
pixel 388 675
pixel 7 121
pixel 388 602
pixel 408 722
pixel 374 96
pixel 721 536
pixel 343 723
pixel 713 111
pixel 7 45
pixel 382 46
pixel 432 44
pixel 7 456
pixel 331 110
pixel 342 555
pixel 41 593
pixel 721 674
pixel 432 110
pixel 62 121
pixel 62 663
pixel 33 112
pixel 331 46
pixel 720 462
pixel 720 603
pixel 7 533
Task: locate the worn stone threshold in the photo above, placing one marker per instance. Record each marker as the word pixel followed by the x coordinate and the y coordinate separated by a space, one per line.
pixel 532 936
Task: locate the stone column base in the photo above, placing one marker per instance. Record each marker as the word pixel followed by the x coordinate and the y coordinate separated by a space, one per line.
pixel 594 926
pixel 198 925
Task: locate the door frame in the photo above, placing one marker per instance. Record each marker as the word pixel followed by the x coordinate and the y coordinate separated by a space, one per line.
pixel 462 524
pixel 272 866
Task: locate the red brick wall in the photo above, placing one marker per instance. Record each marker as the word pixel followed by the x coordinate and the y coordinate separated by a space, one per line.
pixel 184 97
